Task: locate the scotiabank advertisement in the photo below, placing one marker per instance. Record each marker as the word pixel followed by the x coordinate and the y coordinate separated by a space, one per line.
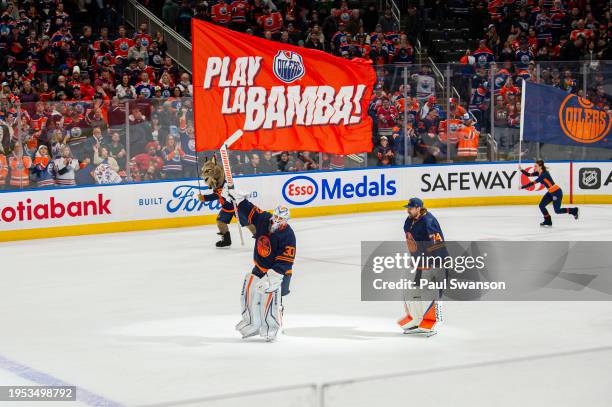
pixel 98 204
pixel 178 199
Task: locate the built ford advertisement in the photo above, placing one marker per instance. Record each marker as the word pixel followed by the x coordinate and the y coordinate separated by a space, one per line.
pixel 97 209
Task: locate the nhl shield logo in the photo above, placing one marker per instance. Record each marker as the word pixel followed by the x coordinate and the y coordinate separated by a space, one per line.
pixel 288 66
pixel 590 178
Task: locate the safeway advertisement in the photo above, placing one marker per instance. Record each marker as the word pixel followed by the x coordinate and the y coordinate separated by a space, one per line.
pixel 163 200
pixel 396 184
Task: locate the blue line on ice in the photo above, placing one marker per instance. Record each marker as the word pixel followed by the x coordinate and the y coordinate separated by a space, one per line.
pixel 44 379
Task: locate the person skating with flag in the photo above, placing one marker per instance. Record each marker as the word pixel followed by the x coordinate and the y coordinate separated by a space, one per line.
pixel 554 193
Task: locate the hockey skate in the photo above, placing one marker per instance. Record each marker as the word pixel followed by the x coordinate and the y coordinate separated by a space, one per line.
pixel 575 212
pixel 547 223
pixel 247 330
pixel 415 330
pixel 226 240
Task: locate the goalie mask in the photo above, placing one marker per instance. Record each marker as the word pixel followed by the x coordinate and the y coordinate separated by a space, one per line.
pixel 280 217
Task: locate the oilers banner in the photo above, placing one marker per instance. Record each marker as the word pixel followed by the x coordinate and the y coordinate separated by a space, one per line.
pixel 554 116
pixel 283 97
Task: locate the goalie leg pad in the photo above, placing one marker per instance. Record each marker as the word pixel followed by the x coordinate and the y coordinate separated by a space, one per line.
pixel 261 311
pixel 250 307
pixel 421 316
pixel 271 315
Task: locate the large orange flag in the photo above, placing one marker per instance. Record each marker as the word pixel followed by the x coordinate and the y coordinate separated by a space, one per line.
pixel 283 97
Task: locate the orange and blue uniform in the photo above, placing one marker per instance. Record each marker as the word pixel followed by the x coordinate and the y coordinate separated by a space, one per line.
pixel 554 193
pixel 227 208
pixel 424 235
pixel 425 239
pixel 274 250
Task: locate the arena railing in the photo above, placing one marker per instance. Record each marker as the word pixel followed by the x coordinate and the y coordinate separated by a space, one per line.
pixel 395 11
pixel 389 389
pixel 143 126
pixel 179 48
pixel 300 395
pixel 490 378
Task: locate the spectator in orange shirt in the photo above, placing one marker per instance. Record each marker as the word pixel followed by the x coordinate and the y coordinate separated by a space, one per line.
pixel 3 170
pixel 509 88
pixel 581 31
pixel 20 168
pixel 221 13
pixel 458 112
pixel 271 21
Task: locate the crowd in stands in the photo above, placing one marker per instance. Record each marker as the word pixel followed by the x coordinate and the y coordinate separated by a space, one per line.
pixel 555 42
pixel 345 29
pixel 86 100
pixel 72 80
pixel 542 30
pixel 511 37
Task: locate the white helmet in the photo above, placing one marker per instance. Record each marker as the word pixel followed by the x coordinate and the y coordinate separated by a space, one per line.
pixel 280 216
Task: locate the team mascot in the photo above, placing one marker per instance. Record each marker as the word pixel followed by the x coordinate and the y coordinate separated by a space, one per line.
pixel 213 176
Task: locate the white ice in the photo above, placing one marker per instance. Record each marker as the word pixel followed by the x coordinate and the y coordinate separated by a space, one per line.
pixel 147 318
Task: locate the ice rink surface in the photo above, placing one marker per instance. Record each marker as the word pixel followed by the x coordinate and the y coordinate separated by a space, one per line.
pixel 147 318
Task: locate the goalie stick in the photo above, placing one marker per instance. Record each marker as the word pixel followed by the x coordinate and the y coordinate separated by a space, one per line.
pixel 228 173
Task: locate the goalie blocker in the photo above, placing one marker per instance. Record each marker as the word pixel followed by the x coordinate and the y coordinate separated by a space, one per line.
pixel 268 281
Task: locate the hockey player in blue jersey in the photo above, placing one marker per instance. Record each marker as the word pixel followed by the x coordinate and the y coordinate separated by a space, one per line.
pixel 424 237
pixel 554 193
pixel 268 281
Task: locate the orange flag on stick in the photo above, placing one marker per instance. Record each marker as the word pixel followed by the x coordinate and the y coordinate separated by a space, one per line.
pixel 283 97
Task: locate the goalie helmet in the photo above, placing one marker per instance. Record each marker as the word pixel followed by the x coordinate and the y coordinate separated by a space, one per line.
pixel 280 217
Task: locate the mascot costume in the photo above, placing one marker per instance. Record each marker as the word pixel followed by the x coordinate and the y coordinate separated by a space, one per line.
pixel 213 176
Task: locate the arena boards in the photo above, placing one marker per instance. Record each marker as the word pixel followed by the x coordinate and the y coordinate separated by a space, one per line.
pixel 51 212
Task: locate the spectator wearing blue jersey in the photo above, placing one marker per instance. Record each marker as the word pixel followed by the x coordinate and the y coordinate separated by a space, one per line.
pixel 188 145
pixel 173 155
pixel 398 141
pixel 483 56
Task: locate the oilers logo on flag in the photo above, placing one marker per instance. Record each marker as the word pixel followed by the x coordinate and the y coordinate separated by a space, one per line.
pixel 583 122
pixel 553 116
pixel 288 66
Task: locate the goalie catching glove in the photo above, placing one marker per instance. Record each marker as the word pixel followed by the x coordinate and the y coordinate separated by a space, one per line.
pixel 234 195
pixel 269 283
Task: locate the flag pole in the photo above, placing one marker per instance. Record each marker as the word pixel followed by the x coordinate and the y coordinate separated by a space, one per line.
pixel 228 174
pixel 522 121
